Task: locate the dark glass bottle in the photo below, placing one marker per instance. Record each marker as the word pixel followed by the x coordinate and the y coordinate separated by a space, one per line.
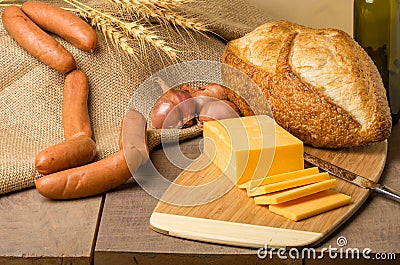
pixel 377 30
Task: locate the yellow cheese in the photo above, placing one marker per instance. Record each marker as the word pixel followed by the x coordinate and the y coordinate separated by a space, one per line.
pixel 280 177
pixel 284 185
pixel 295 193
pixel 311 205
pixel 251 148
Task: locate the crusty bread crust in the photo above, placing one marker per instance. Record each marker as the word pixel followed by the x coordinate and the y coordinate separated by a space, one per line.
pixel 321 85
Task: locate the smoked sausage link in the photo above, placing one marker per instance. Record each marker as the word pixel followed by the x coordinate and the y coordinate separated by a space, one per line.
pixel 87 180
pixel 133 134
pixel 70 153
pixel 63 23
pixel 75 113
pixel 37 42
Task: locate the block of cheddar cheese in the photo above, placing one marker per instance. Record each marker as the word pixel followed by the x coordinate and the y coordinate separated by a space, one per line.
pixel 311 205
pixel 251 147
pixel 288 184
pixel 295 193
pixel 280 177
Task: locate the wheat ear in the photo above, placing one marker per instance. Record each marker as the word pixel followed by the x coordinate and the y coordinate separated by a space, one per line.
pixel 119 31
pixel 161 11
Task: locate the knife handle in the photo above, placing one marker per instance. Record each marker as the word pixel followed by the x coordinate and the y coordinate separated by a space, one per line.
pixel 388 192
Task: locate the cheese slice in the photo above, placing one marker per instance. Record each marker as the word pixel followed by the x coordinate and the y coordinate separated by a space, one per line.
pixel 280 177
pixel 284 185
pixel 311 205
pixel 251 147
pixel 295 193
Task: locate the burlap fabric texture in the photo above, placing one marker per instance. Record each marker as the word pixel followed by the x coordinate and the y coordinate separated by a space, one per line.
pixel 31 93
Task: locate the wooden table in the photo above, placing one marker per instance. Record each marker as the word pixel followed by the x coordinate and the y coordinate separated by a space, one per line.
pixel 114 228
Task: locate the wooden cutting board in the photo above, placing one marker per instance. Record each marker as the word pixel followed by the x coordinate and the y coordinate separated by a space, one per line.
pixel 234 219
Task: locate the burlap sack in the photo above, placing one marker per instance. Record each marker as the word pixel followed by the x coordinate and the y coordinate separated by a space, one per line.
pixel 31 93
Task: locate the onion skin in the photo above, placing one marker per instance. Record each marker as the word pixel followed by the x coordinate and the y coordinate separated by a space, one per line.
pixel 187 89
pixel 183 100
pixel 208 93
pixel 216 91
pixel 201 101
pixel 164 114
pixel 218 110
pixel 173 109
pixel 176 96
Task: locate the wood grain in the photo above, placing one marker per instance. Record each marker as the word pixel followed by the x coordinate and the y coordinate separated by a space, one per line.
pixel 35 230
pixel 235 207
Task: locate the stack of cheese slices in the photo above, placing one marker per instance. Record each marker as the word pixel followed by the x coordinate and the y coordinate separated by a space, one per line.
pixel 298 194
pixel 260 156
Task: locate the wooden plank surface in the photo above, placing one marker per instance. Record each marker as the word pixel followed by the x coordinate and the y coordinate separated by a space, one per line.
pixel 35 230
pixel 125 236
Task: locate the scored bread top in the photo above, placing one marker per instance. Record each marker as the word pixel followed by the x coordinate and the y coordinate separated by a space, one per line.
pixel 327 70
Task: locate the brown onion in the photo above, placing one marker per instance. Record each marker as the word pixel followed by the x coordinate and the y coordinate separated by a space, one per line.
pixel 182 115
pixel 201 101
pixel 164 114
pixel 218 110
pixel 215 91
pixel 208 93
pixel 183 100
pixel 176 96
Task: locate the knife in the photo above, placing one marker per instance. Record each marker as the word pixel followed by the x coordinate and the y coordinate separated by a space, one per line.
pixel 352 177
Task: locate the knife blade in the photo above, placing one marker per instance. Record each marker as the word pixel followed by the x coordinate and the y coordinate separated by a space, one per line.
pixel 352 177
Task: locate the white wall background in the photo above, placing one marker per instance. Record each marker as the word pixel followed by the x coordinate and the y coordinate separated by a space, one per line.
pixel 313 13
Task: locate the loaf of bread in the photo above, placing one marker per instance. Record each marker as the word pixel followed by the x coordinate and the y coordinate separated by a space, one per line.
pixel 320 84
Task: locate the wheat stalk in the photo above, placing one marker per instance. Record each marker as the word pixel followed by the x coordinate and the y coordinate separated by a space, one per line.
pixel 119 31
pixel 170 3
pixel 161 10
pixel 178 20
pixel 113 34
